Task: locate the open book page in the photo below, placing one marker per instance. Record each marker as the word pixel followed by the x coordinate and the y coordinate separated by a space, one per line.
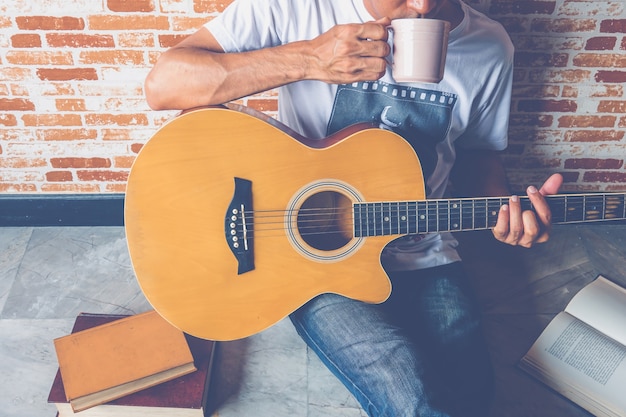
pixel 572 357
pixel 602 305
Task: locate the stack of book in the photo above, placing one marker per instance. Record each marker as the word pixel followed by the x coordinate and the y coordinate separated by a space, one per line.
pixel 131 366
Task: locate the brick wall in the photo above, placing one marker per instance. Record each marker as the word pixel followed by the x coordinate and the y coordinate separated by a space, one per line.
pixel 569 106
pixel 73 114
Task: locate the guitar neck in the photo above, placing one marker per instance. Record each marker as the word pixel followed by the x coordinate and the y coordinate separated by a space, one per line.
pixel 452 215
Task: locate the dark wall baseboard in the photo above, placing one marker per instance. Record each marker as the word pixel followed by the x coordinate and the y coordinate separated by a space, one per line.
pixel 41 210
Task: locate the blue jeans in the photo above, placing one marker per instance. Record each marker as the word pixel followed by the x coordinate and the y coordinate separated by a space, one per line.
pixel 420 353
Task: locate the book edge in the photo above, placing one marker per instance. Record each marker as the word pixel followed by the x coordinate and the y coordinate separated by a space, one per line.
pixel 109 394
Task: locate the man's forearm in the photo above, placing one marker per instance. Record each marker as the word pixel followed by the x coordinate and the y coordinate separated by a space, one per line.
pixel 187 77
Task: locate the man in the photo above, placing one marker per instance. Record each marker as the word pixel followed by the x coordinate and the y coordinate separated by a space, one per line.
pixel 421 353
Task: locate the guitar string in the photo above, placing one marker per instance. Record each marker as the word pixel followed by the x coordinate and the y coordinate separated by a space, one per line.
pixel 311 226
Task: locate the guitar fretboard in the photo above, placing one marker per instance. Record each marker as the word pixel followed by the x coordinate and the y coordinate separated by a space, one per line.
pixel 408 217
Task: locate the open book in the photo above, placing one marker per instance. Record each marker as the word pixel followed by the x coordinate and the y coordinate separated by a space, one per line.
pixel 582 352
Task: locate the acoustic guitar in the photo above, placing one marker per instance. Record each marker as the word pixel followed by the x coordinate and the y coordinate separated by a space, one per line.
pixel 233 221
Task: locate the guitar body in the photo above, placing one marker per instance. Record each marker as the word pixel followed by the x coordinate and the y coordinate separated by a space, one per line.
pixel 179 198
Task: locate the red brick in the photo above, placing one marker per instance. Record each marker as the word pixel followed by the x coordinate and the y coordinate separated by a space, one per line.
pixel 49 23
pixel 210 6
pixel 602 90
pixel 604 177
pixel 70 104
pixel 611 76
pixel 540 59
pixel 71 187
pixel 138 119
pixel 16 104
pixel 67 134
pixel 8 119
pixel 128 22
pixel 59 176
pixel 26 40
pixel 535 42
pixel 124 161
pixel 119 188
pixel 117 134
pixel 600 60
pixel 528 135
pixel 94 162
pixel 22 57
pixel 559 76
pixel 22 162
pixel 612 106
pixel 130 5
pixel 613 26
pixel 52 120
pixel 66 74
pixel 136 147
pixel 188 23
pixel 535 91
pixel 14 74
pixel 136 40
pixel 594 135
pixel 57 40
pixel 593 163
pixel 104 176
pixel 587 121
pixel 563 25
pixel 113 57
pixel 9 187
pixel 167 41
pixel 56 89
pixel 601 43
pixel 263 105
pixel 547 105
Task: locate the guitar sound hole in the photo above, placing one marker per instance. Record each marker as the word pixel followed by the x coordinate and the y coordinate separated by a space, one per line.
pixel 325 220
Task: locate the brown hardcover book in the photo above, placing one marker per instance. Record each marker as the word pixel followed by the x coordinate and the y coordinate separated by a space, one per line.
pixel 121 357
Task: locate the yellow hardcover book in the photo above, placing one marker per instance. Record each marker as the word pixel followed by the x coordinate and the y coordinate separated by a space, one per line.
pixel 106 362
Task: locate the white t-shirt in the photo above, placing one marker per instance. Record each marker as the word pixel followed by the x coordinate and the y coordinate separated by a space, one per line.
pixel 469 108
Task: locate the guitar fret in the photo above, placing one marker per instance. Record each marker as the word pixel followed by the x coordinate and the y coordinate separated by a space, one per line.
pixel 493 205
pixel 384 219
pixel 375 220
pixel 556 207
pixel 432 216
pixel 420 217
pixel 456 222
pixel 396 219
pixel 358 221
pixel 402 218
pixel 369 228
pixel 413 217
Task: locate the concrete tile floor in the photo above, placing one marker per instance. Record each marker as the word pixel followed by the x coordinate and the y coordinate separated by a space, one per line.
pixel 49 275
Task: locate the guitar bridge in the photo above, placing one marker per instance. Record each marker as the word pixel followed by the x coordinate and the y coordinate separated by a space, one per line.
pixel 238 225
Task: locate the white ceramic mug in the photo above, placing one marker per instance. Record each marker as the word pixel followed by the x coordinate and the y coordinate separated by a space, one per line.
pixel 419 49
